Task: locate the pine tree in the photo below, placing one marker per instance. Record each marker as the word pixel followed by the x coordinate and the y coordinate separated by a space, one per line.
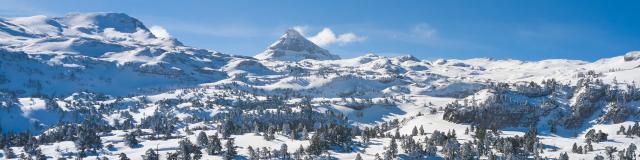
pixel 393 148
pixel 293 135
pixel 574 148
pixel 364 136
pixel 621 130
pixel 377 157
pixel 631 151
pixel 256 129
pixel 197 154
pixel 123 156
pixel 8 152
pixel 317 145
pixel 580 150
pixel 414 131
pixel 150 155
pixel 185 148
pixel 31 147
pixel 388 155
pixel 467 151
pixel 588 147
pixel 172 156
pixel 253 155
pixel 453 134
pixel 214 146
pixel 131 141
pixel 87 136
pixel 299 153
pixel 228 128
pixel 202 140
pixel 610 150
pixel 270 134
pixel 430 148
pixel 358 157
pixel 230 152
pixel 40 156
pixel 563 156
pixel 451 149
pixel 305 133
pixel 284 153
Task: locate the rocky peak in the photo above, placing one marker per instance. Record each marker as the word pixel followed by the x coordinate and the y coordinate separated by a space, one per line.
pixel 292 46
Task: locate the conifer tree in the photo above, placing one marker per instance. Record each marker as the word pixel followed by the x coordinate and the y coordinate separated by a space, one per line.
pixel 393 148
pixel 214 146
pixel 230 150
pixel 130 140
pixel 150 155
pixel 202 140
pixel 8 152
pixel 123 156
pixel 358 157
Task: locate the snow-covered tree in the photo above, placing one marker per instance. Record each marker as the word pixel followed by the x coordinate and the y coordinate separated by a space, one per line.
pixel 123 156
pixel 230 150
pixel 150 155
pixel 202 140
pixel 214 146
pixel 131 140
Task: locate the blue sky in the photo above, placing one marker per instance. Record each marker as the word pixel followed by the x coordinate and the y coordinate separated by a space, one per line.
pixel 518 29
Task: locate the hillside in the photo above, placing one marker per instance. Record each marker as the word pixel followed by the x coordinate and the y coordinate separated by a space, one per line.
pixel 100 84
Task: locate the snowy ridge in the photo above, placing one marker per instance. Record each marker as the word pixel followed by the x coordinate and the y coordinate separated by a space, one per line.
pixel 97 52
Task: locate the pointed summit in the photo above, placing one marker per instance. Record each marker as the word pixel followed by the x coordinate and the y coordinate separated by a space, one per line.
pixel 292 33
pixel 292 46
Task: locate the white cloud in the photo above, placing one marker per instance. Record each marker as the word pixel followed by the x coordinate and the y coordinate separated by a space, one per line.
pixel 159 32
pixel 424 30
pixel 327 37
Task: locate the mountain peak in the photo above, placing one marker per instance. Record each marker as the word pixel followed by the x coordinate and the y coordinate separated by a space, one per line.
pixel 292 33
pixel 100 20
pixel 292 46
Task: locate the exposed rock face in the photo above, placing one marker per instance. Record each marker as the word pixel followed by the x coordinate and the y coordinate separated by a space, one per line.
pixel 635 55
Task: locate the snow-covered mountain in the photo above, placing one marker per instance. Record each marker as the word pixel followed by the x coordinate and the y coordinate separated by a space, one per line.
pixel 292 46
pixel 85 78
pixel 109 53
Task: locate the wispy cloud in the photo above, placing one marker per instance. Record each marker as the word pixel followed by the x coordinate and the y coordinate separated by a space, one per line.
pixel 430 38
pixel 424 30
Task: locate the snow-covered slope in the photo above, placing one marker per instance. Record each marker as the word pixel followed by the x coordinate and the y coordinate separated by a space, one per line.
pixel 109 53
pixel 60 74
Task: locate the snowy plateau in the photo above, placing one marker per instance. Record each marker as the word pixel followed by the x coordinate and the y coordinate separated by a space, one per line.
pixel 103 86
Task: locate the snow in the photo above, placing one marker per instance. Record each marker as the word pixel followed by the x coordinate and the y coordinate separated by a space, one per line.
pixel 31 104
pixel 116 55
